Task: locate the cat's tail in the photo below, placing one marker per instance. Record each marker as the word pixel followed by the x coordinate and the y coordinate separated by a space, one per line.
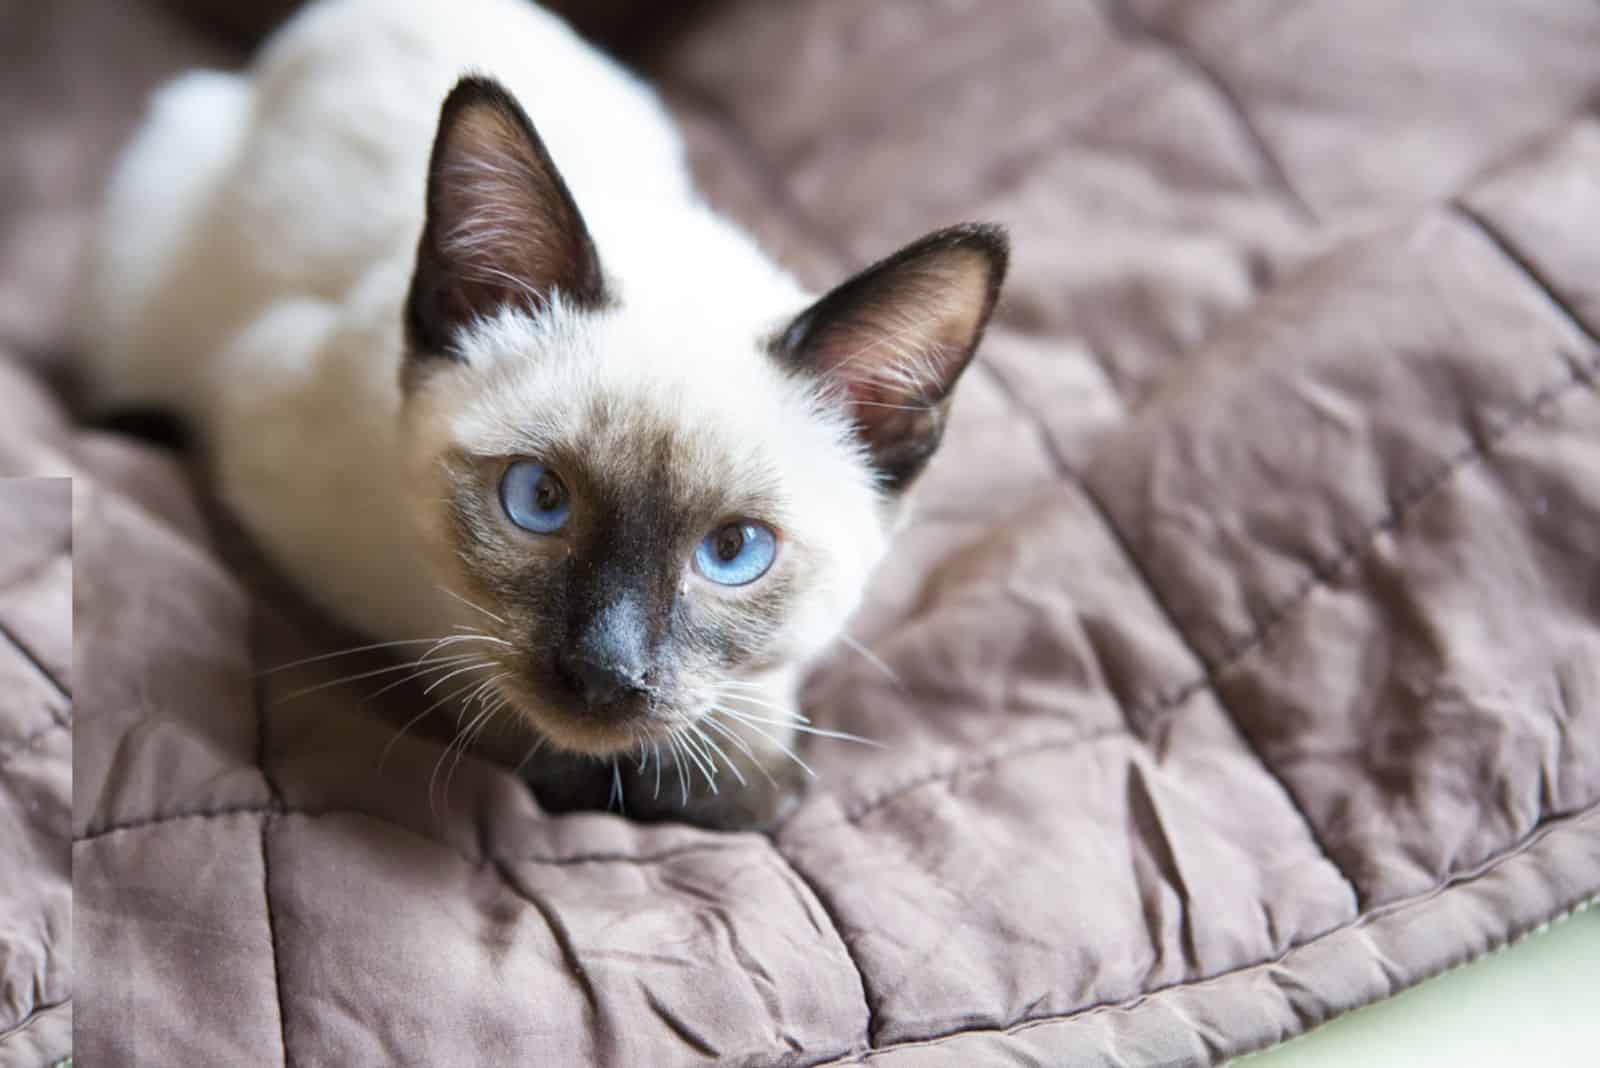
pixel 131 313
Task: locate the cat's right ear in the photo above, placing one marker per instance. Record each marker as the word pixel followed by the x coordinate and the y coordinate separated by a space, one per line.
pixel 502 229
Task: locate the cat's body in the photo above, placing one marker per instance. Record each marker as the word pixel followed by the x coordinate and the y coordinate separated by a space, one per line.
pixel 363 400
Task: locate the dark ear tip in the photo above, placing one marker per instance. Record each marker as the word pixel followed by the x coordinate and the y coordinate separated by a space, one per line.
pixel 473 89
pixel 992 239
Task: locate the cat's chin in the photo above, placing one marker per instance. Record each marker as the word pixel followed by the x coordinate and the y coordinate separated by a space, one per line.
pixel 571 734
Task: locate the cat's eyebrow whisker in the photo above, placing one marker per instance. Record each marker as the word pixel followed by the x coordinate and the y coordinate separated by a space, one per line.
pixel 785 750
pixel 711 721
pixel 874 659
pixel 470 604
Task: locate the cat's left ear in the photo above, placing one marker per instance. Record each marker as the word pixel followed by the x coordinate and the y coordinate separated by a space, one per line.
pixel 896 338
pixel 502 229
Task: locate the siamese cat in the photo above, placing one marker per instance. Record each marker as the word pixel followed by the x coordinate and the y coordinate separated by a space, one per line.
pixel 518 389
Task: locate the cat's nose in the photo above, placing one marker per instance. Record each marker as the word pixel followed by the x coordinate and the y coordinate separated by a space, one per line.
pixel 603 683
pixel 606 659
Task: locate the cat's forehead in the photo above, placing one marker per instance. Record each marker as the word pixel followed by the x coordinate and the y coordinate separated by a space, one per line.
pixel 709 417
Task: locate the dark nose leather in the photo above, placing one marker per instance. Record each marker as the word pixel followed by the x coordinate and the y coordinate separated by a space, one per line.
pixel 606 660
pixel 609 689
pixel 599 682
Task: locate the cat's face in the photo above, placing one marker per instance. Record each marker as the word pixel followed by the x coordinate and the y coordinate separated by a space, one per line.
pixel 658 509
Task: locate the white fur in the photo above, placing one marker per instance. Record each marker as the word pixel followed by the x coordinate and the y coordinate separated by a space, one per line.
pixel 253 261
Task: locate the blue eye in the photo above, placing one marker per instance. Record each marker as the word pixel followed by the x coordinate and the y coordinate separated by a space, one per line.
pixel 534 498
pixel 736 553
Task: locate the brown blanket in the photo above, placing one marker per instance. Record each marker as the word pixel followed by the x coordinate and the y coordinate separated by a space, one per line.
pixel 1246 650
pixel 35 770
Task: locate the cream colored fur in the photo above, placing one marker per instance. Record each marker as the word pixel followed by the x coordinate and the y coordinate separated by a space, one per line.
pixel 252 264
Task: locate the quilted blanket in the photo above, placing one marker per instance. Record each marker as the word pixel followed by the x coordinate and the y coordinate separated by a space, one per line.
pixel 1243 660
pixel 35 770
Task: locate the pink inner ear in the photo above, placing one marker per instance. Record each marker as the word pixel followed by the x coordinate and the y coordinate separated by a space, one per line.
pixel 502 226
pixel 908 341
pixel 496 230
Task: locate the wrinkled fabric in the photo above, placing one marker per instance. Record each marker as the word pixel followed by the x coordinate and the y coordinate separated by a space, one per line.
pixel 35 770
pixel 1241 665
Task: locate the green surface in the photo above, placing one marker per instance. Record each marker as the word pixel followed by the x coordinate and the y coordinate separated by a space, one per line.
pixel 1536 1003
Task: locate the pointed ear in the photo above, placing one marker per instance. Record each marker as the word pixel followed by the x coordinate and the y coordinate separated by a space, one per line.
pixel 895 338
pixel 502 229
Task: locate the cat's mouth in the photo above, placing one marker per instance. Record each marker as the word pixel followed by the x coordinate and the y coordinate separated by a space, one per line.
pixel 571 725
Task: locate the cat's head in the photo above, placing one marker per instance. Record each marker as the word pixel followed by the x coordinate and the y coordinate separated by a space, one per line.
pixel 657 490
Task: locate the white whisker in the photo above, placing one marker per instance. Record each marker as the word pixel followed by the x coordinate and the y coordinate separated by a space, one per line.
pixel 788 714
pixel 699 761
pixel 803 729
pixel 344 652
pixel 438 665
pixel 785 750
pixel 710 720
pixel 478 665
pixel 712 742
pixel 452 593
pixel 408 666
pixel 432 807
pixel 537 745
pixel 874 659
pixel 616 788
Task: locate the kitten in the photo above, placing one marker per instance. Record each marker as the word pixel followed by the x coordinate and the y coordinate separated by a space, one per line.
pixel 448 385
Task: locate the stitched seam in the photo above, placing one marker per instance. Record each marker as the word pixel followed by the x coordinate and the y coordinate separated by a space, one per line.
pixel 1537 834
pixel 1528 841
pixel 1122 18
pixel 1066 471
pixel 1321 574
pixel 1324 572
pixel 1222 702
pixel 33 660
pixel 1510 251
